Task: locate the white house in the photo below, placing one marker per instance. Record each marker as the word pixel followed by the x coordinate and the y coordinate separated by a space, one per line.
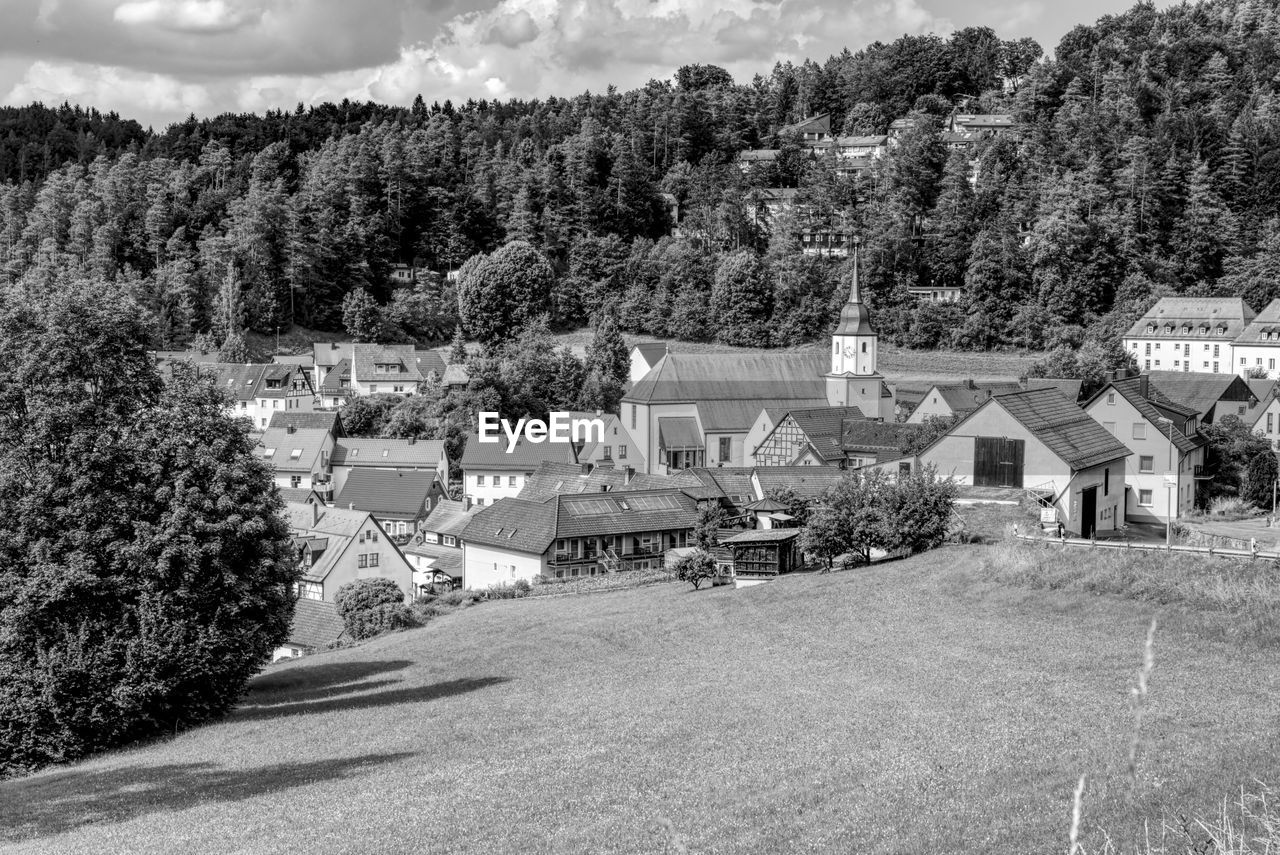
pixel 351 453
pixel 1167 449
pixel 1039 441
pixel 491 472
pixel 1189 334
pixel 301 458
pixel 336 546
pixel 1257 348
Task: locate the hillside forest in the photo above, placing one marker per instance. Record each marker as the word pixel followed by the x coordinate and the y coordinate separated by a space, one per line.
pixel 1146 163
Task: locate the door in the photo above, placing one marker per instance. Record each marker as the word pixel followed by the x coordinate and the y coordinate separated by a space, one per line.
pixel 1088 511
pixel 997 461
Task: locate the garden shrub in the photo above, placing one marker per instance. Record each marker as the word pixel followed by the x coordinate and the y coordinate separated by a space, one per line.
pixel 382 618
pixel 372 606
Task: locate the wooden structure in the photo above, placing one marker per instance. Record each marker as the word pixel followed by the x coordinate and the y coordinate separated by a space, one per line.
pixel 763 554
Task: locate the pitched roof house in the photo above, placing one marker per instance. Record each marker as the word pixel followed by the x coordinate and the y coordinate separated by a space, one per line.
pixel 958 399
pixel 559 479
pixel 336 546
pixel 490 472
pixel 315 626
pixel 351 453
pixel 301 458
pixel 1037 440
pixel 809 436
pixel 1211 396
pixel 399 499
pixel 1191 334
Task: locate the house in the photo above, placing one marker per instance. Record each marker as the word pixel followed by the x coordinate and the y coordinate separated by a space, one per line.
pixel 426 455
pixel 305 361
pixel 435 552
pixel 981 125
pixel 315 626
pixel 490 472
pixel 302 459
pixel 763 554
pixel 194 356
pixel 747 159
pixel 326 356
pixel 1167 451
pixel 861 147
pixel 559 479
pixel 1211 396
pixel 398 499
pixel 828 243
pixel 1189 334
pixel 392 368
pixel 766 205
pixel 613 447
pixel 813 129
pixel 1266 418
pixel 812 434
pixel 304 420
pixel 644 356
pixel 695 410
pixel 336 389
pixel 403 274
pixel 1257 347
pixel 336 546
pixel 1036 440
pixel 866 443
pixel 935 293
pixel 256 391
pixel 807 481
pixel 958 399
pixel 455 377
pixel 576 535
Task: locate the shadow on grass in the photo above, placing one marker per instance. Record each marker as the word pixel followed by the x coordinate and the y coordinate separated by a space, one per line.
pixel 295 679
pixel 407 695
pixel 52 804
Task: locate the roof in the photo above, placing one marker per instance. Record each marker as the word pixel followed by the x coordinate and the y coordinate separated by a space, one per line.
pixel 455 374
pixel 705 377
pixel 876 436
pixel 369 363
pixel 387 492
pixel 429 361
pixel 985 120
pixel 329 353
pixel 315 624
pixel 299 494
pixel 679 432
pixel 185 355
pixel 291 452
pixel 448 517
pixel 514 524
pixel 820 123
pixel 1066 429
pixel 734 482
pixel 758 154
pixel 766 504
pixel 738 416
pixel 823 426
pixel 332 384
pixel 652 351
pixel 336 526
pixel 304 360
pixel 524 457
pixel 1200 390
pixel 964 398
pixel 388 453
pixel 327 420
pixel 624 513
pixel 1131 390
pixel 851 142
pixel 1264 328
pixel 803 480
pixel 1069 388
pixel 554 479
pixel 762 535
pixel 1210 318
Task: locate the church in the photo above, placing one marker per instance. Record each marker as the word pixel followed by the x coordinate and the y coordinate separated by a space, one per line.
pixel 698 409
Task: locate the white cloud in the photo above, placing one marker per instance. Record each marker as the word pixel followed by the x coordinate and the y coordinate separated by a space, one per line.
pixel 192 16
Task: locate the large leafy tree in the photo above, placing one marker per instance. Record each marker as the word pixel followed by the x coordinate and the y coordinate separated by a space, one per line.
pixel 502 292
pixel 144 564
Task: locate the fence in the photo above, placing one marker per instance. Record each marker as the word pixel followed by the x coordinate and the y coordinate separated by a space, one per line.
pixel 1211 551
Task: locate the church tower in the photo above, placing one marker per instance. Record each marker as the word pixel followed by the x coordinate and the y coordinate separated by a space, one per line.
pixel 853 379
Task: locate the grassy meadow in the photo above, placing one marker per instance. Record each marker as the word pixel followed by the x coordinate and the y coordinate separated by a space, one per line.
pixel 924 705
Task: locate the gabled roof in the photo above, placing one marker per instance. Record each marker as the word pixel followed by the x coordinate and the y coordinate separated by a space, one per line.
pixel 525 457
pixel 1196 318
pixel 804 480
pixel 332 384
pixel 1066 429
pixel 555 479
pixel 624 513
pixel 387 492
pixel 822 427
pixel 964 398
pixel 194 356
pixel 820 123
pixel 758 155
pixel 734 482
pixel 455 374
pixel 852 142
pixel 329 353
pixel 292 452
pixel 1264 328
pixel 429 361
pixel 319 420
pixel 388 453
pixel 448 517
pixel 652 351
pixel 1150 406
pixel 704 377
pixel 1201 391
pixel 1070 389
pixel 335 526
pixel 868 436
pixel 315 624
pixel 762 535
pixel 367 361
pixel 302 360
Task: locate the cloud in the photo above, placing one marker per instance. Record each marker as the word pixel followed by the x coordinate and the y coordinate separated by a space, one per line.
pixel 513 30
pixel 186 16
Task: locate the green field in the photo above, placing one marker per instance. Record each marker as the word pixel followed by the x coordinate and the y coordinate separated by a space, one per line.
pixel 916 706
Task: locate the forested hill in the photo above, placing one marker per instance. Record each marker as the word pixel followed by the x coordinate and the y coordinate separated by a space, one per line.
pixel 1146 162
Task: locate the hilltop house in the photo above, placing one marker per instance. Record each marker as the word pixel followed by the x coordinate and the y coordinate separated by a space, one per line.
pixel 696 410
pixel 814 129
pixel 1037 440
pixel 326 356
pixel 257 390
pixel 1167 451
pixel 1189 334
pixel 398 499
pixel 570 536
pixel 336 389
pixel 336 546
pixel 401 455
pixel 301 458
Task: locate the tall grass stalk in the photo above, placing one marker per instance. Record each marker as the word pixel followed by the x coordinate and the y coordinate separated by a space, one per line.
pixel 1138 695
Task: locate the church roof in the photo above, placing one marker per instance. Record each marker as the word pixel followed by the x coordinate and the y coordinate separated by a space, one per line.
pixel 703 377
pixel 854 318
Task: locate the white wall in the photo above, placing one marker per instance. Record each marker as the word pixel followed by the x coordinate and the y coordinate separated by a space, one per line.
pixel 933 404
pixel 1118 416
pixel 1166 352
pixel 1262 356
pixel 491 492
pixel 486 566
pixel 757 434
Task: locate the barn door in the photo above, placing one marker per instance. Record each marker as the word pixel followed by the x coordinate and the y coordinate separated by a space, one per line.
pixel 997 461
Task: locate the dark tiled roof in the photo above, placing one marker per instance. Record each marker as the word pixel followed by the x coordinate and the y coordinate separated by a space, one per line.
pixel 448 517
pixel 1067 430
pixel 315 624
pixel 429 361
pixel 1131 389
pixel 281 444
pixel 525 457
pixel 823 427
pixel 554 479
pixel 1188 314
pixel 624 513
pixel 820 123
pixel 964 398
pixel 737 416
pixel 388 453
pixel 299 420
pixel 332 384
pixel 1201 391
pixel 387 492
pixel 1069 388
pixel 876 436
pixel 734 482
pixel 515 524
pixel 1264 328
pixel 804 480
pixel 331 353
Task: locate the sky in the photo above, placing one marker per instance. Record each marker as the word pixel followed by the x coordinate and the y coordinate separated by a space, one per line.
pixel 160 60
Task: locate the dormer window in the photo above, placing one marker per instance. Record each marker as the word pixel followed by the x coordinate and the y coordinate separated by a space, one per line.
pixel 1151 328
pixel 267 454
pixel 1204 329
pixel 295 454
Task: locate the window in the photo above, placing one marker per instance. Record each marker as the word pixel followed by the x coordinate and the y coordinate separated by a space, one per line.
pixel 1244 361
pixel 1215 351
pixel 1148 364
pixel 726 445
pixel 449 540
pixel 295 481
pixel 373 388
pixel 608 452
pixel 1146 463
pixel 479 480
pixel 622 452
pixel 864 347
pixel 1139 430
pixel 1106 481
pixel 1111 398
pixel 373 559
pixel 1148 348
pixel 1215 368
pixel 1144 498
pixel 373 536
pixel 1177 364
pixel 511 480
pixel 296 454
pixel 362 560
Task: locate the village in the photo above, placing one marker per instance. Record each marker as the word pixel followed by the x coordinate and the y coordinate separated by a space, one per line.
pixel 731 434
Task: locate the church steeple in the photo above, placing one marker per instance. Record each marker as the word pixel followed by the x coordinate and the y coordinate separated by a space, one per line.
pixel 854 318
pixel 853 379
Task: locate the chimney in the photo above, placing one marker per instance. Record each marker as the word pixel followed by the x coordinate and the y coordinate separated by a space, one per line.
pixel 1144 385
pixel 627 474
pixel 466 503
pixel 586 468
pixel 412 440
pixel 290 428
pixel 970 384
pixel 315 513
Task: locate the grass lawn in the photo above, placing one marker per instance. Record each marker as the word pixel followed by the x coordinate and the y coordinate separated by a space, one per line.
pixel 916 706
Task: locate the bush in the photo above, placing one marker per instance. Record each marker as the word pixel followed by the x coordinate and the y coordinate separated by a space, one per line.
pixel 456 598
pixel 522 587
pixel 382 618
pixel 694 568
pixel 1232 507
pixel 364 594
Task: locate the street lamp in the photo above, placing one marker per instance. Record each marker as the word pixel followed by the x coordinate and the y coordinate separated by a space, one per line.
pixel 1170 481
